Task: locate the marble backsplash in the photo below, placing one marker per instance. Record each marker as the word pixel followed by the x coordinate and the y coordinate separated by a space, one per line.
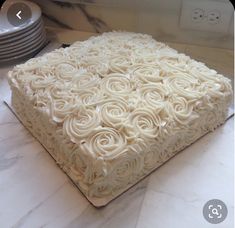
pixel 155 17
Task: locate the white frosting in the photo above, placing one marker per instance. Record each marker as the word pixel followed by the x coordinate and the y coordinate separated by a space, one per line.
pixel 114 107
pixel 81 124
pixel 114 113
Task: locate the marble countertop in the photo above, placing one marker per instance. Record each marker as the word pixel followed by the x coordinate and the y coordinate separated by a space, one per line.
pixel 34 192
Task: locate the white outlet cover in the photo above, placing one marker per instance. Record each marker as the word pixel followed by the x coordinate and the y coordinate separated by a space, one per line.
pixel 224 9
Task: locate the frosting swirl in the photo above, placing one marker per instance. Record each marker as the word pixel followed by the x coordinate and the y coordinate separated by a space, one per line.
pixel 148 74
pixel 66 70
pixel 96 66
pixel 81 124
pixel 105 142
pixel 41 82
pixel 114 113
pixel 91 96
pixel 173 62
pixel 181 109
pixel 146 123
pixel 60 108
pixel 184 85
pixel 56 56
pixel 99 68
pixel 126 167
pixel 116 85
pixel 120 64
pixel 85 81
pixel 151 157
pixel 154 95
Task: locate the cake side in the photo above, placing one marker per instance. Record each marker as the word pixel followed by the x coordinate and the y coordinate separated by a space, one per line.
pixel 113 108
pixel 76 168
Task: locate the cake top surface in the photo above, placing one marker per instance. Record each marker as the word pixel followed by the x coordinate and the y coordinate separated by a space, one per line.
pixel 119 91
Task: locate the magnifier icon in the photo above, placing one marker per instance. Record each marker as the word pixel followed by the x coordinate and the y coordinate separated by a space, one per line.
pixel 215 211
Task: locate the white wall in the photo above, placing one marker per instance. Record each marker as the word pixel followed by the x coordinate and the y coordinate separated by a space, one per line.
pixel 159 18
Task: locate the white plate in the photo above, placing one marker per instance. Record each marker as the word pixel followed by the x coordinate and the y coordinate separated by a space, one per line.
pixel 18 38
pixel 17 35
pixel 25 50
pixel 6 27
pixel 24 45
pixel 31 53
pixel 24 56
pixel 22 39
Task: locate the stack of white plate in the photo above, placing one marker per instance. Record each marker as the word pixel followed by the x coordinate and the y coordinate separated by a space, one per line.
pixel 23 41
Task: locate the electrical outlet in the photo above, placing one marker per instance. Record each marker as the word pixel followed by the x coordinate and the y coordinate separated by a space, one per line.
pixel 197 15
pixel 214 17
pixel 207 15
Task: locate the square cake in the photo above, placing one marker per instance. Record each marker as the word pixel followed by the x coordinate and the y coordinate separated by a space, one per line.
pixel 115 107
